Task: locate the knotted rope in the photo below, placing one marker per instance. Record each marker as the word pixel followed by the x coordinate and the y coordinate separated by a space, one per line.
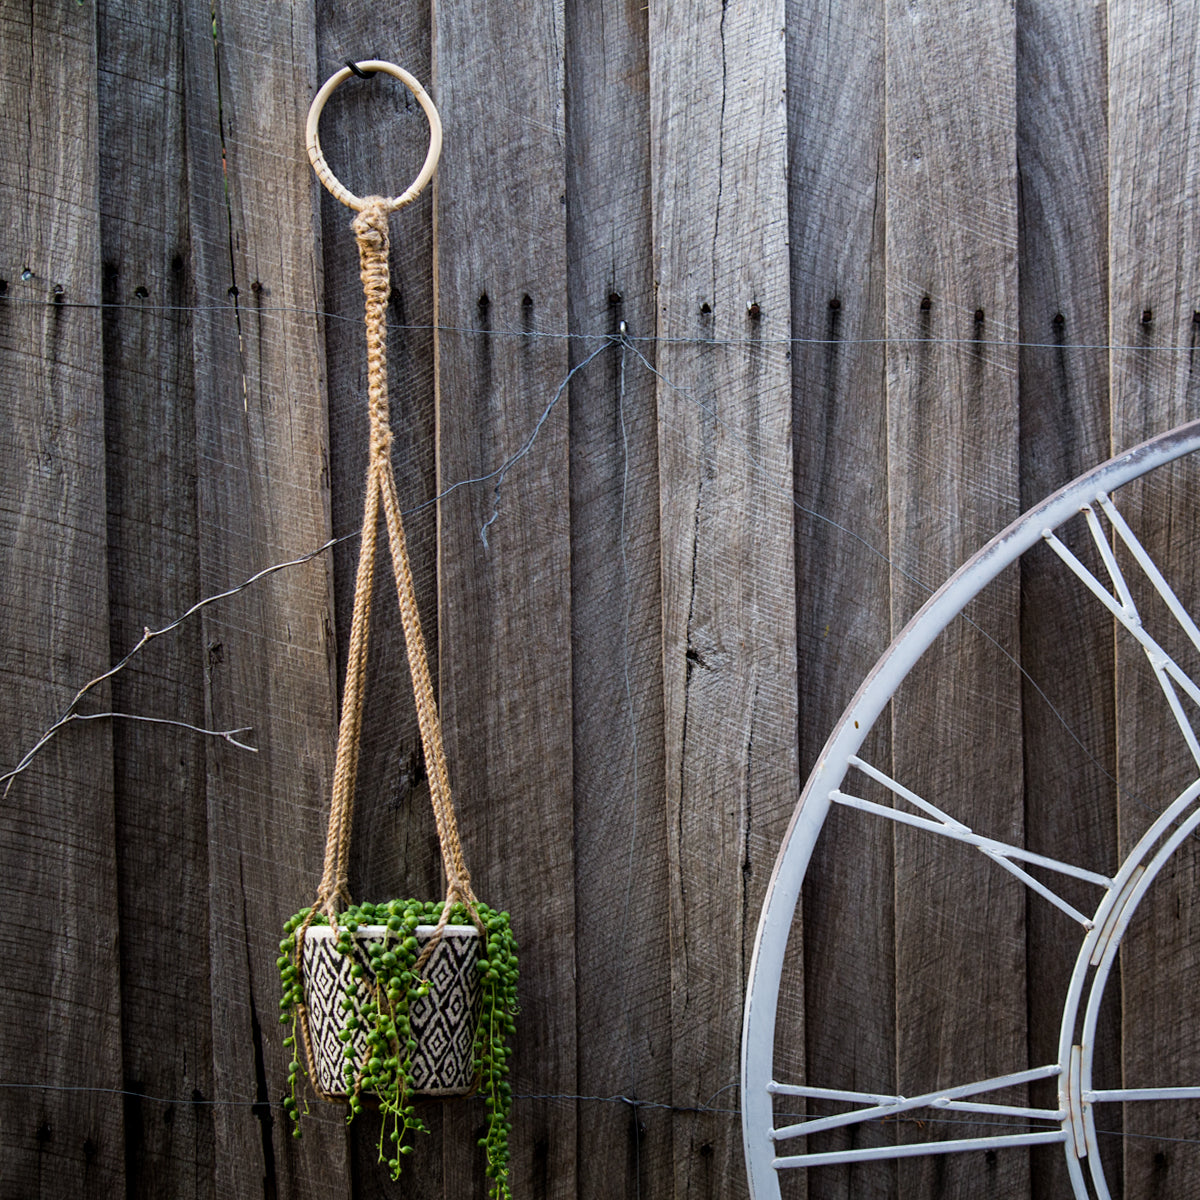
pixel 371 231
pixel 370 227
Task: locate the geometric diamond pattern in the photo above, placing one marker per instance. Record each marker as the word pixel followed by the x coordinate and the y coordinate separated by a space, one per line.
pixel 443 1022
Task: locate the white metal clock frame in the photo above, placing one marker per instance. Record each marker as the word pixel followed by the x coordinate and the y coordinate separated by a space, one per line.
pixel 1072 1124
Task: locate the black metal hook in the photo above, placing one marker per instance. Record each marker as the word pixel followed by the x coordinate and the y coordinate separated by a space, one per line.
pixel 359 71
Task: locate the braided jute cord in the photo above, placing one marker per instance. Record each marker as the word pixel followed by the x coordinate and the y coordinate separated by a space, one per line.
pixel 371 231
pixel 370 227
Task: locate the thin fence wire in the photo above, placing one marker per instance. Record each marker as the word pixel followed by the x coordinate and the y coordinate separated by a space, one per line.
pixel 969 343
pixel 633 1103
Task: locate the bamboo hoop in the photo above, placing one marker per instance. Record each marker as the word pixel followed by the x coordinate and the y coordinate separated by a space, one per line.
pixel 316 156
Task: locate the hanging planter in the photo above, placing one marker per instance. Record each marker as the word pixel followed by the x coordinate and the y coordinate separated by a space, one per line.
pixel 404 998
pixel 383 1007
pixel 442 1013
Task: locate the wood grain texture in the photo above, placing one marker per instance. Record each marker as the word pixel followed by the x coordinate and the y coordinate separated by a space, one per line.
pixel 263 495
pixel 725 472
pixel 836 166
pixel 952 427
pixel 1154 201
pixel 60 1007
pixel 620 827
pixel 161 828
pixel 1066 642
pixel 505 606
pixel 375 136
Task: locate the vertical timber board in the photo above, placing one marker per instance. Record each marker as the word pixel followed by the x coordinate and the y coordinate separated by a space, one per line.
pixel 1154 171
pixel 263 499
pixel 58 846
pixel 61 1015
pixel 620 828
pixel 952 419
pixel 505 620
pixel 836 169
pixel 154 577
pixel 375 136
pixel 1062 145
pixel 725 470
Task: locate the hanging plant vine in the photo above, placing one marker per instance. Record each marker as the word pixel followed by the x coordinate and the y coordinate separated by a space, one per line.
pixel 378 1001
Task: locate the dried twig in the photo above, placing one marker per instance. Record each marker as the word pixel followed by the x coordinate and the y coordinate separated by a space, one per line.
pixel 148 635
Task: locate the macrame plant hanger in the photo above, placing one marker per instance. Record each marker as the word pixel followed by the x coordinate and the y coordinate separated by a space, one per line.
pixel 370 226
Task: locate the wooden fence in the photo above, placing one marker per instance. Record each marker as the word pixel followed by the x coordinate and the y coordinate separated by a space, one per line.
pixel 890 270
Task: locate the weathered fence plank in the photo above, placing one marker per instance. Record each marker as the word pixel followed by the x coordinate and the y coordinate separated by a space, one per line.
pixel 60 1031
pixel 836 168
pixel 505 605
pixel 952 427
pixel 375 135
pixel 718 152
pixel 1068 693
pixel 161 818
pixel 263 498
pixel 616 618
pixel 1154 166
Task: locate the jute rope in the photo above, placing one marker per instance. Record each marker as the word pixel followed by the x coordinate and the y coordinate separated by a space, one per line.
pixel 371 230
pixel 370 227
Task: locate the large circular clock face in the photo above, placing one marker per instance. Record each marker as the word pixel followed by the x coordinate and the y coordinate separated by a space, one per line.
pixel 1119 567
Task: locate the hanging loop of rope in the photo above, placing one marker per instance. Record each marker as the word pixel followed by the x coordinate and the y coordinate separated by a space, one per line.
pixel 370 227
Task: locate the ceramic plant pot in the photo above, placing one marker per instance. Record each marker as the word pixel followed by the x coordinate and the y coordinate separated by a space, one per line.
pixel 443 1022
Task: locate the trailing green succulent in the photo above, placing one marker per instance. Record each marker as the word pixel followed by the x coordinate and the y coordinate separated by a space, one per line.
pixel 380 1007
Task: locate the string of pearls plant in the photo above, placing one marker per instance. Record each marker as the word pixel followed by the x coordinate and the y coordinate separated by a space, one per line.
pixel 378 999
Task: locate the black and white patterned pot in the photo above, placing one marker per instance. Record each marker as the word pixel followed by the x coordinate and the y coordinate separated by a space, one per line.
pixel 443 1022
